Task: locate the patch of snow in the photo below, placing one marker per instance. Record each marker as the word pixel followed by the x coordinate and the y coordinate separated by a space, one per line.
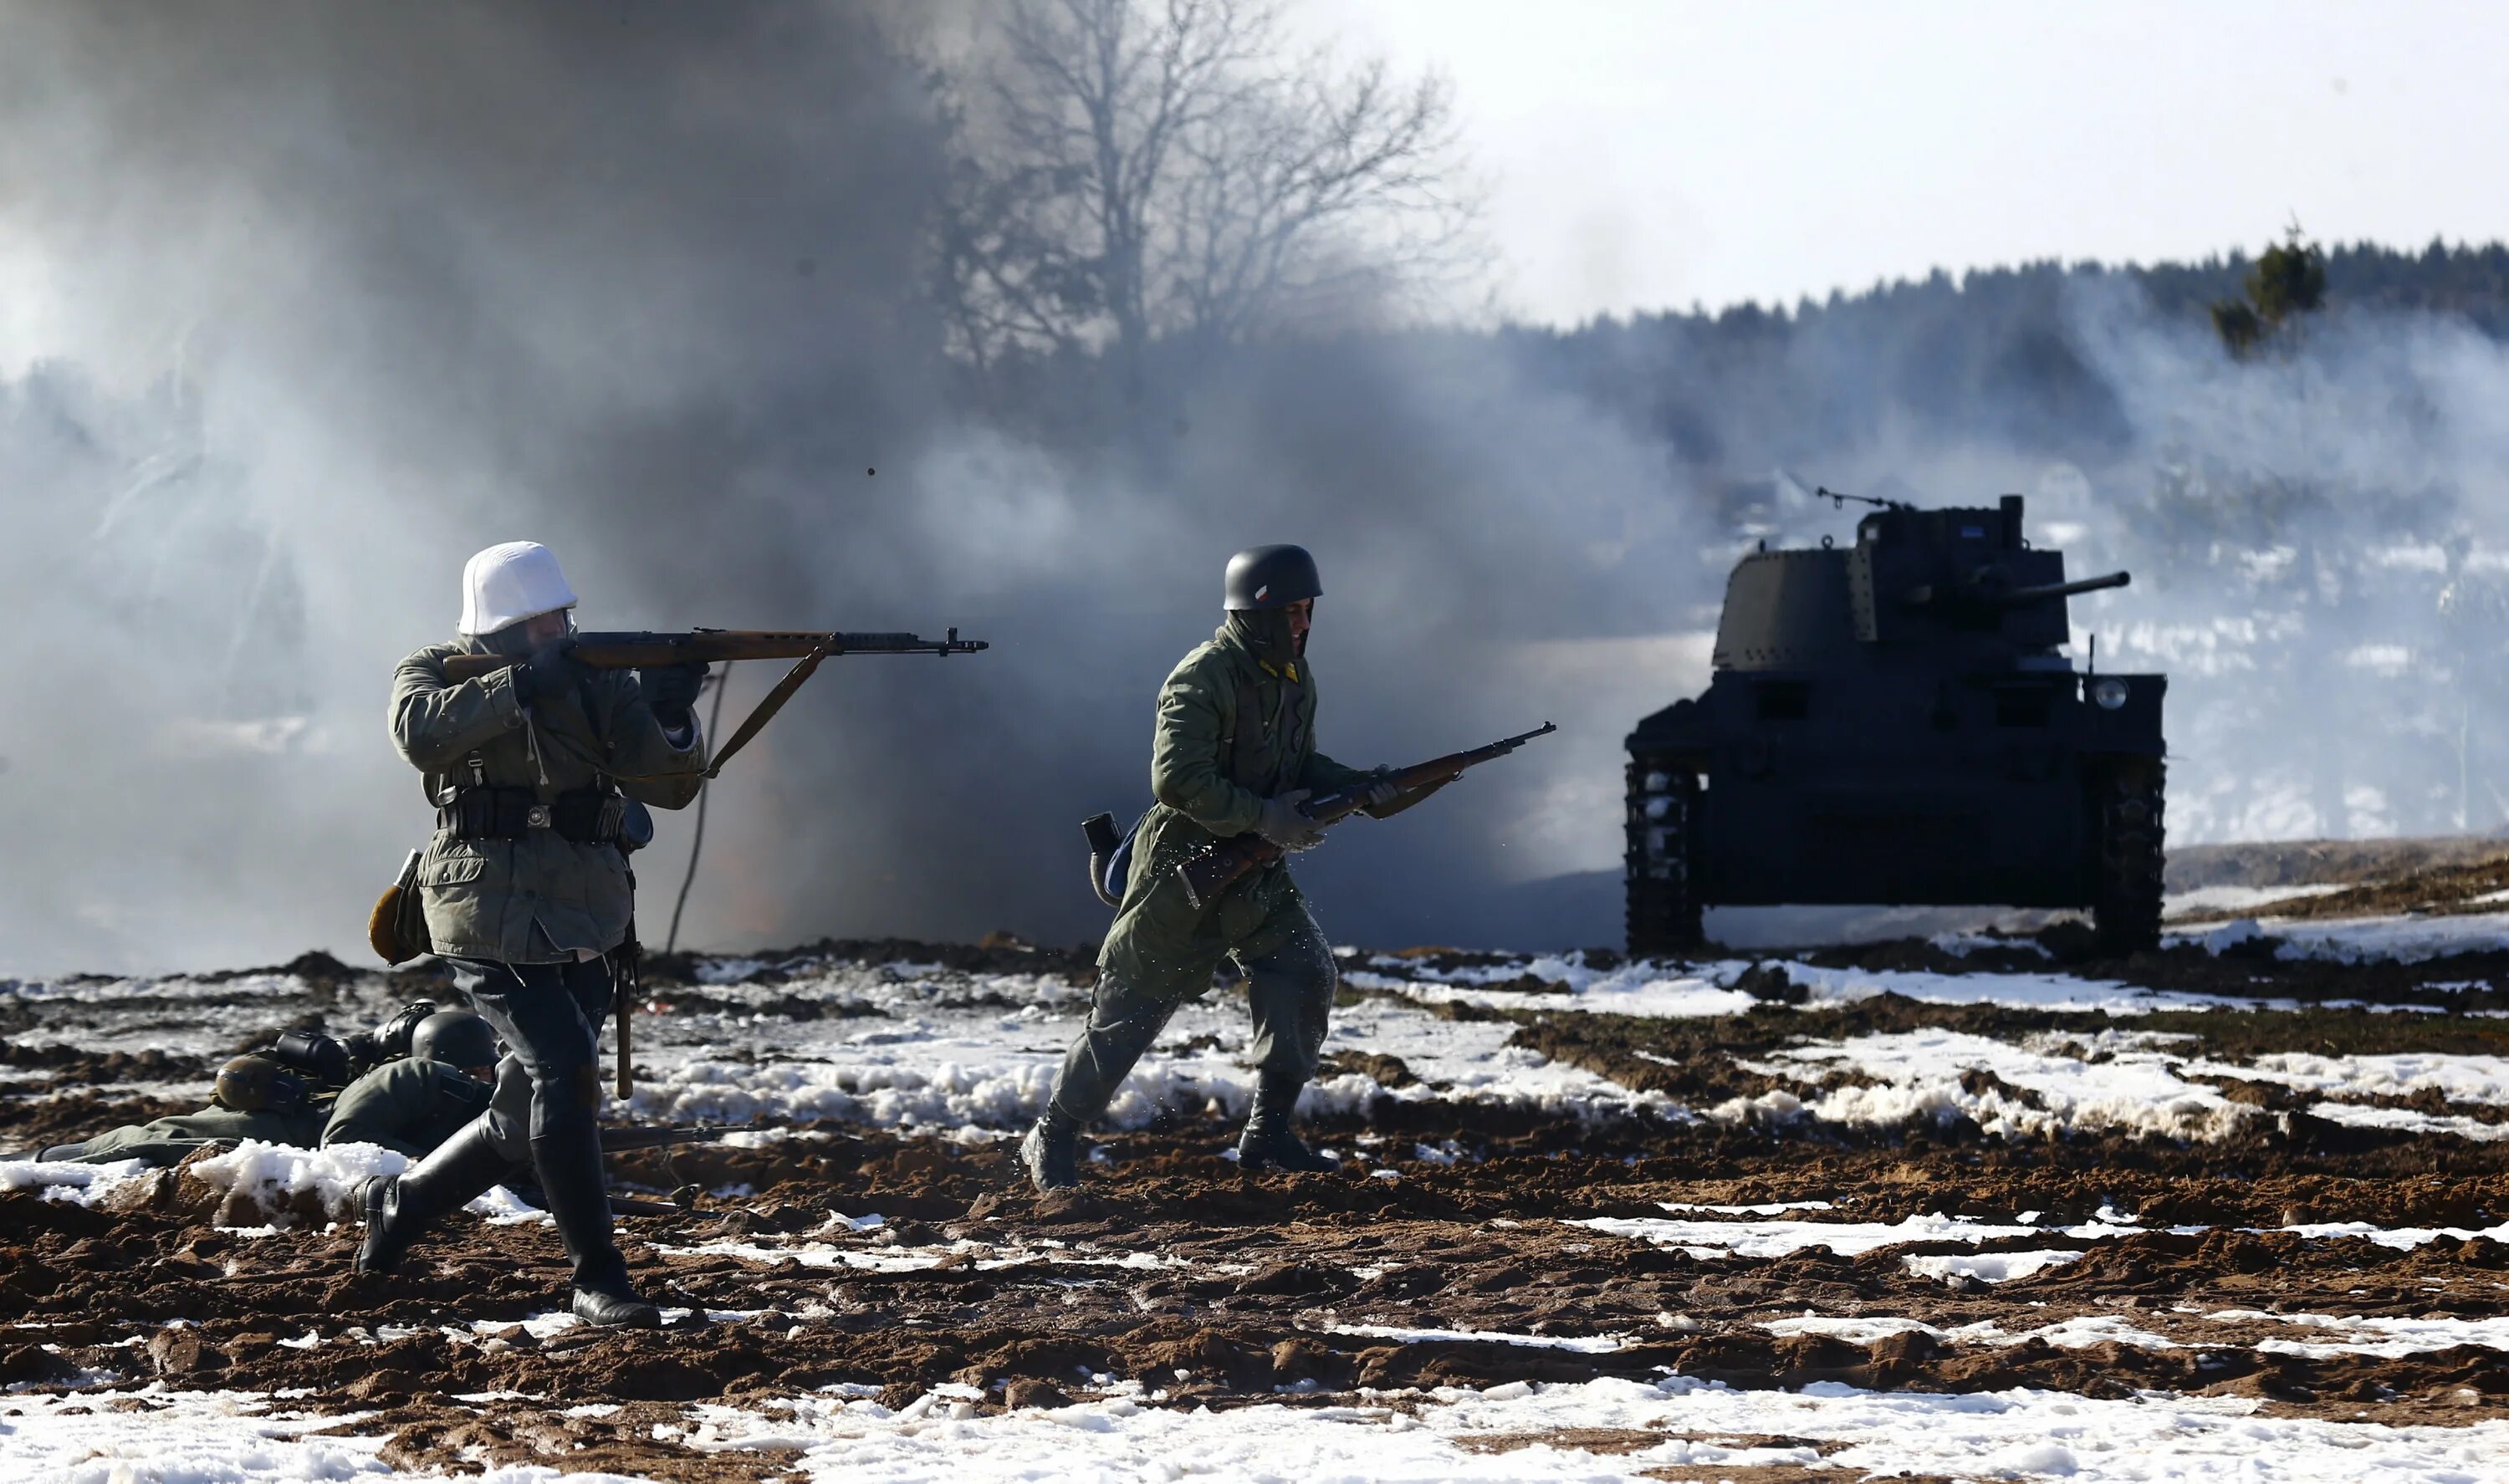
pixel 60 1181
pixel 1986 1267
pixel 270 1172
pixel 1918 1074
pixel 2222 938
pixel 1764 1239
pixel 2080 1333
pixel 2403 1239
pixel 2016 992
pixel 1641 990
pixel 2405 1121
pixel 177 1437
pixel 951 1070
pixel 1593 1345
pixel 2374 1334
pixel 2236 898
pixel 2397 940
pixel 2466 1079
pixel 2003 1436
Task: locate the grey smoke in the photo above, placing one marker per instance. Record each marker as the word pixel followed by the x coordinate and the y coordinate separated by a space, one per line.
pixel 334 294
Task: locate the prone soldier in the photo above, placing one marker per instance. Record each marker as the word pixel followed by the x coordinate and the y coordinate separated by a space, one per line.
pixel 1234 752
pixel 539 770
pixel 409 1104
pixel 413 1104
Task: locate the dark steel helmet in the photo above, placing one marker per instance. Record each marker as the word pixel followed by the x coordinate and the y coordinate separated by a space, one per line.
pixel 392 1037
pixel 255 1084
pixel 1271 577
pixel 454 1037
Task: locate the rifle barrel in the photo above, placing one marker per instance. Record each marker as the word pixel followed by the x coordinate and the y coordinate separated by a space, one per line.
pixel 643 650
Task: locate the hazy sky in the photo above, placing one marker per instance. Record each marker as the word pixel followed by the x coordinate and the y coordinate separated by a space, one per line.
pixel 1645 156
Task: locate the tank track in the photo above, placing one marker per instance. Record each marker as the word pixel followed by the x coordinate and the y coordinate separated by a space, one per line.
pixel 2125 914
pixel 1664 910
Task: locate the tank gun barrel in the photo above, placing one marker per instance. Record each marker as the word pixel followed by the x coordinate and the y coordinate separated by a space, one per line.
pixel 2020 595
pixel 1928 594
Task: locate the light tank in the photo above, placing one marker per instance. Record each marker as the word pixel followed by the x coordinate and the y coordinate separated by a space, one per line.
pixel 1891 723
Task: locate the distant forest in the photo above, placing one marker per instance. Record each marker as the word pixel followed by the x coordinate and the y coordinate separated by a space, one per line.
pixel 1985 352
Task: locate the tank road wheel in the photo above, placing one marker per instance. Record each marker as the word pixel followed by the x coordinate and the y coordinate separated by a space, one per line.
pixel 1662 844
pixel 2125 916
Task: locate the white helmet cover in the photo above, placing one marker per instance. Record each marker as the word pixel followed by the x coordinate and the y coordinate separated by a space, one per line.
pixel 510 583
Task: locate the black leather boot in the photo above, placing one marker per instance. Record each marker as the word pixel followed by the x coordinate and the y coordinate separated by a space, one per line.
pixel 1270 1142
pixel 398 1207
pixel 614 1310
pixel 1051 1152
pixel 1122 1025
pixel 569 1162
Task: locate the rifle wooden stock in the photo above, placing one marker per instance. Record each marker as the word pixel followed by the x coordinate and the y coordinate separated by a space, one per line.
pixel 1216 869
pixel 647 649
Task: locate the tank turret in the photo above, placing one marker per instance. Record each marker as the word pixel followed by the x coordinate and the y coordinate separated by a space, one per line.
pixel 1894 721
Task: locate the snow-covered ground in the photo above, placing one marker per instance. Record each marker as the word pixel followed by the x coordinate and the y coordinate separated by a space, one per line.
pixel 922 1047
pixel 789 1046
pixel 1680 1429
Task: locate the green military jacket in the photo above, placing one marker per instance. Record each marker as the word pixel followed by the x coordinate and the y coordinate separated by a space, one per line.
pixel 539 899
pixel 1231 732
pixel 167 1141
pixel 407 1105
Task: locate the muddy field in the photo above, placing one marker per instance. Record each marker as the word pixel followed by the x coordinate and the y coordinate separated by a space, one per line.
pixel 1960 1208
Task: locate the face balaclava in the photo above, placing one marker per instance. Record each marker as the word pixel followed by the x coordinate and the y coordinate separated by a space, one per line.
pixel 1265 634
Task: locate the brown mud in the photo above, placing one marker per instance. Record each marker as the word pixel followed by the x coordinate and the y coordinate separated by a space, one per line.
pixel 2323 863
pixel 1243 1290
pixel 1174 1273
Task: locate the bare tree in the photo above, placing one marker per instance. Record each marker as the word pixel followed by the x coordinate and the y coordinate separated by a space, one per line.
pixel 1132 169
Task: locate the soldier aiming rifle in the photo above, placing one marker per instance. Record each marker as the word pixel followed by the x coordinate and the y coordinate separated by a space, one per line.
pixel 541 751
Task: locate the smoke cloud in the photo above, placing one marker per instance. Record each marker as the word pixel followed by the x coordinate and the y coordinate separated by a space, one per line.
pixel 301 304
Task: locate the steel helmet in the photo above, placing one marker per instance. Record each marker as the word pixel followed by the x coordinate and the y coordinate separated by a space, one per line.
pixel 454 1037
pixel 258 1084
pixel 1271 577
pixel 510 583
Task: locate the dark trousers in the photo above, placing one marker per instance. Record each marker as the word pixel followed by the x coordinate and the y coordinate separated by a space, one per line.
pixel 1288 995
pixel 547 1103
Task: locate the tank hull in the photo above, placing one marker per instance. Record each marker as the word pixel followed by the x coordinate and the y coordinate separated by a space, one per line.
pixel 1896 788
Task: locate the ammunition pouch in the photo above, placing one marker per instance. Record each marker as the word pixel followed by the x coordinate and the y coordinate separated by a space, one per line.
pixel 585 816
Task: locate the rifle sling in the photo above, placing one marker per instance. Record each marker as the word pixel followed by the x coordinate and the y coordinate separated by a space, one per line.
pixel 756 720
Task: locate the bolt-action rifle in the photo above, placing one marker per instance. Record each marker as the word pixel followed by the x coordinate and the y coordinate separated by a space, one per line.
pixel 617 1140
pixel 646 650
pixel 1214 870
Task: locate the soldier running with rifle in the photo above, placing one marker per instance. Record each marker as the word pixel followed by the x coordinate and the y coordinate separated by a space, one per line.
pixel 1202 878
